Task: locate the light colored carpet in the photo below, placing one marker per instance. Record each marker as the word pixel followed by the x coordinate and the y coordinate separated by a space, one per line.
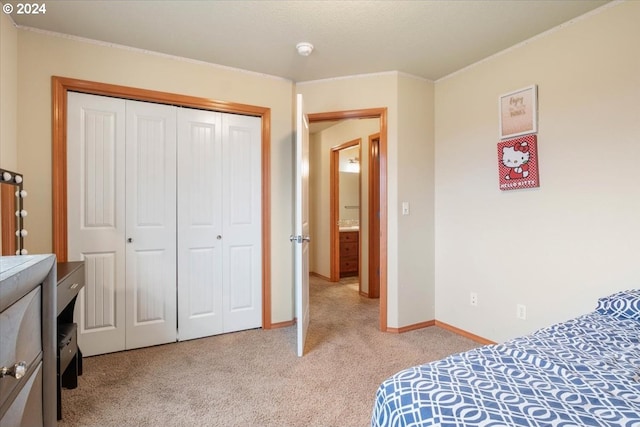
pixel 351 282
pixel 254 378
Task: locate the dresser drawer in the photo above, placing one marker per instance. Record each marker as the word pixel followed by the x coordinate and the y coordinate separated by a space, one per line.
pixel 69 287
pixel 20 337
pixel 67 344
pixel 348 265
pixel 26 408
pixel 348 236
pixel 348 249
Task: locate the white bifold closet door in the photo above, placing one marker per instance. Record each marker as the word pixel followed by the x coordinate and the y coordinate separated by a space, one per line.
pixel 164 207
pixel 96 217
pixel 199 208
pixel 150 207
pixel 219 223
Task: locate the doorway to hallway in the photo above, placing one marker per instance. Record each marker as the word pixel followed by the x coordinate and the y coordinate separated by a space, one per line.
pixel 377 206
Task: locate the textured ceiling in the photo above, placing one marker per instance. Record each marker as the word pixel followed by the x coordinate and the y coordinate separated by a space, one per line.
pixel 430 39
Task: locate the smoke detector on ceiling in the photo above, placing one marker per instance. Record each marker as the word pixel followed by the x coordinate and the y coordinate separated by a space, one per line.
pixel 304 48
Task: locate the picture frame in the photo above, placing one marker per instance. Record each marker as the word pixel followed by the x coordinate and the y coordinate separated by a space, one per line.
pixel 518 163
pixel 518 111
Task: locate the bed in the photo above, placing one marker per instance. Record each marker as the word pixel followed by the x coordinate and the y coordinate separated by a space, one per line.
pixel 582 372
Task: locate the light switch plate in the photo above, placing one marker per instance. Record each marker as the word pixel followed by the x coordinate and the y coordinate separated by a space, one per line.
pixel 405 208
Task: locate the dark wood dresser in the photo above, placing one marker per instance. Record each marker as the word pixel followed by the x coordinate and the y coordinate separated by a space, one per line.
pixel 349 253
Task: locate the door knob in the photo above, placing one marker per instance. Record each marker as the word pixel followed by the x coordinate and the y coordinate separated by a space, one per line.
pixel 219 237
pixel 130 240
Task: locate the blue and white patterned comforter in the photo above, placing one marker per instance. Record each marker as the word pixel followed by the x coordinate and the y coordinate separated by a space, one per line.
pixel 583 372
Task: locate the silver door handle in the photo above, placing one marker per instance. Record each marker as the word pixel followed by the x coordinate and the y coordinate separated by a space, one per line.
pixel 306 238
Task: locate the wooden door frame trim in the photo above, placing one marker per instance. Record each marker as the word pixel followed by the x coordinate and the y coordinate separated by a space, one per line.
pixel 59 88
pixel 372 113
pixel 373 292
pixel 334 206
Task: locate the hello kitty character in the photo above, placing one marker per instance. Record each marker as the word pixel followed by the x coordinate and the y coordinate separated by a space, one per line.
pixel 516 159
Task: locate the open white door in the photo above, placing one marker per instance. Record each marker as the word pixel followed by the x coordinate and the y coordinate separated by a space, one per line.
pixel 301 238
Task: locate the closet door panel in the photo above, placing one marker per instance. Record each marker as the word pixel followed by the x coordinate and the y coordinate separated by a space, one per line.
pixel 97 302
pixel 200 233
pixel 241 260
pixel 149 304
pixel 241 217
pixel 151 224
pixel 96 217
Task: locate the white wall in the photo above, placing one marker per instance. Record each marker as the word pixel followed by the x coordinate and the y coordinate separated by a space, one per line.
pixel 559 247
pixel 41 55
pixel 416 245
pixel 8 94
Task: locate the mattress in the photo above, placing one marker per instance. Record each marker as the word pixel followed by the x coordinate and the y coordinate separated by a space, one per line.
pixel 582 372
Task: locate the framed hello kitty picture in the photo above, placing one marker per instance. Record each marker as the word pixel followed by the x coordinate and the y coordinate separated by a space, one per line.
pixel 518 163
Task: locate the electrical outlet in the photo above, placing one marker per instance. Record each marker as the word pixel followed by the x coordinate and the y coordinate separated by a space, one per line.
pixel 473 298
pixel 521 311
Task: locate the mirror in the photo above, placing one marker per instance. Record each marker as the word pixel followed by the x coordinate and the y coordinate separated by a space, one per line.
pixel 349 188
pixel 12 213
